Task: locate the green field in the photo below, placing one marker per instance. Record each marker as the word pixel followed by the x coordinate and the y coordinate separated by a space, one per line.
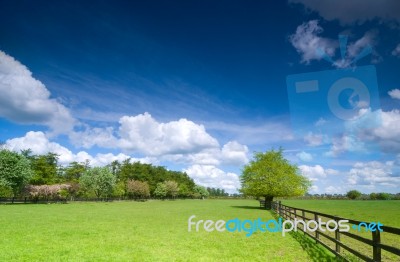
pixel 137 231
pixel 157 231
pixel 385 212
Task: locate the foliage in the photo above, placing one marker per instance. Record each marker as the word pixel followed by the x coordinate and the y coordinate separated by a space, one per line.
pixel 98 180
pixel 48 191
pixel 15 171
pixel 161 190
pixel 137 189
pixel 270 175
pixel 217 192
pixel 353 194
pixel 172 188
pixel 45 169
pixel 200 192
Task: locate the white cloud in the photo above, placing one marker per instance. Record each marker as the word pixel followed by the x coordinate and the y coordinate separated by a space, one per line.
pixel 307 42
pixel 211 176
pixel 102 137
pixel 234 153
pixel 380 127
pixel 310 45
pixel 40 144
pixel 144 134
pixel 395 93
pixel 313 172
pixel 26 100
pixel 355 11
pixel 333 190
pixel 315 139
pixel 396 51
pixel 304 156
pixel 374 173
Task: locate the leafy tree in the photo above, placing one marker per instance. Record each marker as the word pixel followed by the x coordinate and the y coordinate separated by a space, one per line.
pixel 161 190
pixel 74 171
pixel 172 188
pixel 45 169
pixel 353 194
pixel 15 171
pixel 383 196
pixel 138 189
pixel 98 180
pixel 373 196
pixel 270 175
pixel 200 192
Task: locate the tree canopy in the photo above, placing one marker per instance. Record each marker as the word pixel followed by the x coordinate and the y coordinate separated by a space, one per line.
pixel 270 175
pixel 15 171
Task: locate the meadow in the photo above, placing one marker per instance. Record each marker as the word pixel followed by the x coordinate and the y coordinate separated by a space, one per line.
pixel 158 231
pixel 386 212
pixel 137 231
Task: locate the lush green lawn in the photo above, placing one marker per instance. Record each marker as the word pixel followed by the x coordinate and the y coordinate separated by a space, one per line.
pixel 386 212
pixel 138 231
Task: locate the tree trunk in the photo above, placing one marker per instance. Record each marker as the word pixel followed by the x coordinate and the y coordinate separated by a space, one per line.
pixel 268 202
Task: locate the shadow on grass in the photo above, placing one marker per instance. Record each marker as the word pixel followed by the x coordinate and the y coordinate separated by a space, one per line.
pixel 316 252
pixel 247 207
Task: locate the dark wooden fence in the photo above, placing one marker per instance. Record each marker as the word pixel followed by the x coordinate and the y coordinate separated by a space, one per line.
pixel 333 241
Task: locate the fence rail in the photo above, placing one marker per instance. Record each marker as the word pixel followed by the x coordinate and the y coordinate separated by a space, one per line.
pixel 334 243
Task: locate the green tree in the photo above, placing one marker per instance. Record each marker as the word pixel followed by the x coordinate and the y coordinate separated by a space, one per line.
pixel 353 194
pixel 200 192
pixel 270 175
pixel 373 196
pixel 137 189
pixel 383 196
pixel 161 190
pixel 98 180
pixel 15 171
pixel 45 169
pixel 172 188
pixel 74 171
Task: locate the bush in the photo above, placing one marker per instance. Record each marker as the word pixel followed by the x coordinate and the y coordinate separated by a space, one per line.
pixel 353 194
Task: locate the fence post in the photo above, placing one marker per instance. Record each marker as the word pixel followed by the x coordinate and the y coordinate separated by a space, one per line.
pixel 376 250
pixel 337 237
pixel 279 208
pixel 316 231
pixel 305 221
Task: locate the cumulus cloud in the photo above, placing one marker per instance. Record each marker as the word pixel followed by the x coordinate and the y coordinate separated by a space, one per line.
pixel 313 172
pixel 304 156
pixel 379 127
pixel 355 11
pixel 315 139
pixel 396 51
pixel 26 100
pixel 211 176
pixel 375 173
pixel 144 134
pixel 311 46
pixel 395 93
pixel 40 144
pixel 234 153
pixel 307 42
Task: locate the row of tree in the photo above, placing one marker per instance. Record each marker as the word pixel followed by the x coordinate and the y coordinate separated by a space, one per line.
pixel 40 176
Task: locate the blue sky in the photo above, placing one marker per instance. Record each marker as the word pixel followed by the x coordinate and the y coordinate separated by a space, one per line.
pixel 199 85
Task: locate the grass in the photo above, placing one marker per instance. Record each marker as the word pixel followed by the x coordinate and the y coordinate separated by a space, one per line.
pixel 386 212
pixel 139 231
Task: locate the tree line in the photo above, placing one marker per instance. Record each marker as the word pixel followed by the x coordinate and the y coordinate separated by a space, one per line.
pixel 42 177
